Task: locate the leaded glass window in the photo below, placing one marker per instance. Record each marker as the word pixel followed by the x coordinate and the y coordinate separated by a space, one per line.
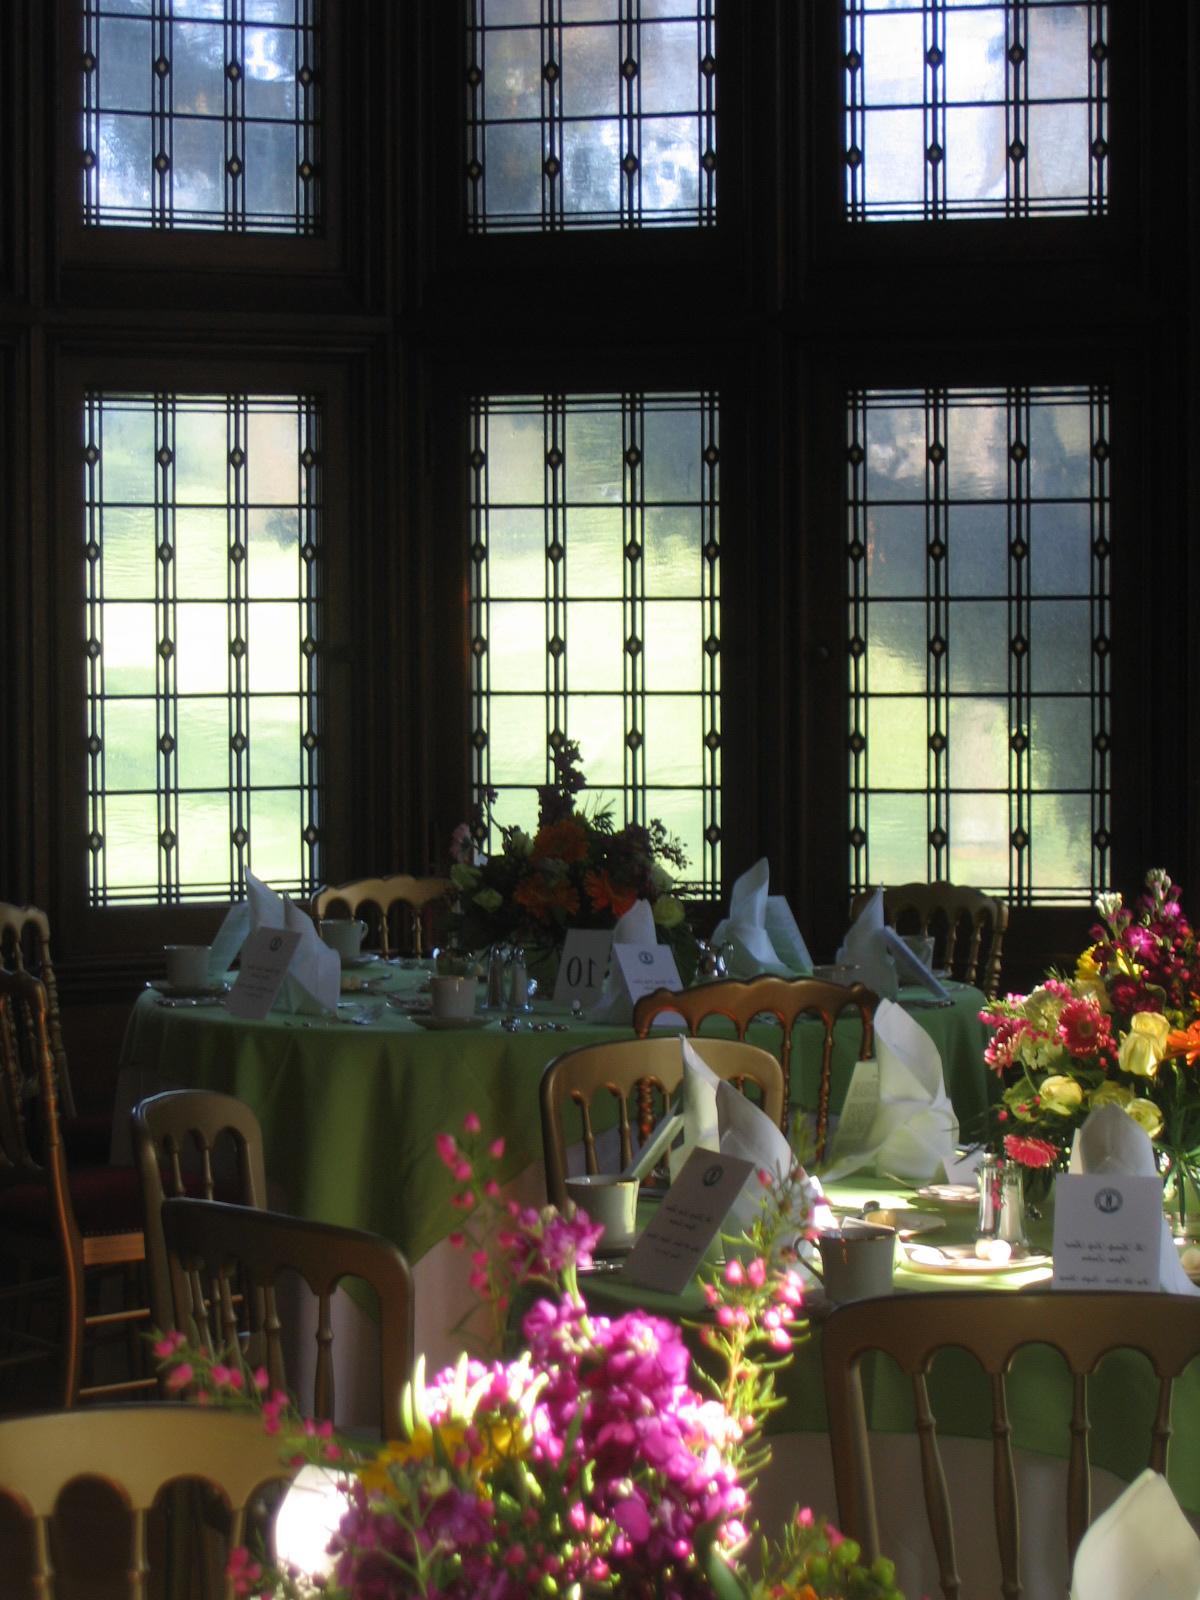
pixel 591 114
pixel 975 108
pixel 201 114
pixel 595 607
pixel 201 541
pixel 979 566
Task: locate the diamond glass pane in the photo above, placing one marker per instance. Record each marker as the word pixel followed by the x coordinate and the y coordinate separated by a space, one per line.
pixel 979 573
pixel 575 632
pixel 201 116
pixel 975 108
pixel 202 527
pixel 592 116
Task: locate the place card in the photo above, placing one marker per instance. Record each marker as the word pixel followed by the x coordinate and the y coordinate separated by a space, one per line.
pixel 266 956
pixel 673 1244
pixel 642 968
pixel 859 1111
pixel 582 966
pixel 1107 1231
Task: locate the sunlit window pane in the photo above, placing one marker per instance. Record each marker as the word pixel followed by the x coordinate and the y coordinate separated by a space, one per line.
pixel 979 570
pixel 595 616
pixel 201 117
pixel 202 700
pixel 591 116
pixel 996 108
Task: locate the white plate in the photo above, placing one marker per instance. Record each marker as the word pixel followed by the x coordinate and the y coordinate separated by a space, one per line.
pixel 438 1024
pixel 961 1260
pixel 367 959
pixel 185 991
pixel 950 1194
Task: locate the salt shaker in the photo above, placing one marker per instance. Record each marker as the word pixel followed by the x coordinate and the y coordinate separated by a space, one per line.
pixel 518 981
pixel 1001 1201
pixel 497 964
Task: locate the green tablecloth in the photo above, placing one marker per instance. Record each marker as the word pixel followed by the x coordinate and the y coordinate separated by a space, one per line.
pixel 349 1113
pixel 1123 1394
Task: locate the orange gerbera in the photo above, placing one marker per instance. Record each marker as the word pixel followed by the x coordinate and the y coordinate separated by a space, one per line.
pixel 1185 1042
pixel 542 897
pixel 603 893
pixel 562 841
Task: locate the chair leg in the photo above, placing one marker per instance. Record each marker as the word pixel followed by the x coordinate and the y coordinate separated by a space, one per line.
pixel 74 1311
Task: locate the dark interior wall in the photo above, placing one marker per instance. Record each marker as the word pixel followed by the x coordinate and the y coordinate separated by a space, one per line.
pixel 397 315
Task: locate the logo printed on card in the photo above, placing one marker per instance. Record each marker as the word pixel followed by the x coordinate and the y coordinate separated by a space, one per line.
pixel 1109 1201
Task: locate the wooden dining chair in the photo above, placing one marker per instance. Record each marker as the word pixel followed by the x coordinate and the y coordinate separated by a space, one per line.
pixel 398 910
pixel 646 1071
pixel 787 1000
pixel 181 1143
pixel 137 1452
pixel 73 1222
pixel 992 1327
pixel 967 927
pixel 216 1251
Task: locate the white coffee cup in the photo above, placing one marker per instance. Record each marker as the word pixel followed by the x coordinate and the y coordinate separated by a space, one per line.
pixel 187 965
pixel 857 1262
pixel 452 997
pixel 611 1201
pixel 343 934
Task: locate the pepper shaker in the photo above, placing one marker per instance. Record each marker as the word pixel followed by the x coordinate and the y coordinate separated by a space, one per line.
pixel 497 967
pixel 518 981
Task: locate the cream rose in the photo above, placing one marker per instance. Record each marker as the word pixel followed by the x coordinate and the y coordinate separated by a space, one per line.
pixel 1110 1094
pixel 1143 1046
pixel 1147 1115
pixel 1061 1095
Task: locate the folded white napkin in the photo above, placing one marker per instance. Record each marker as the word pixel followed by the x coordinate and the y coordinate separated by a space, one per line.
pixel 867 947
pixel 1141 1548
pixel 741 1129
pixel 762 930
pixel 909 966
pixel 1111 1141
pixel 230 938
pixel 314 975
pixel 914 1130
pixel 613 1004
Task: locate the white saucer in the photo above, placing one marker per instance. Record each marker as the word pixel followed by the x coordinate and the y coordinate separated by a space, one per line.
pixel 185 991
pixel 440 1024
pixel 961 1260
pixel 950 1194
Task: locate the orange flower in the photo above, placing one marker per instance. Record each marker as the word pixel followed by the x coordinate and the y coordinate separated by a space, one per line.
pixel 542 897
pixel 602 892
pixel 1185 1042
pixel 564 841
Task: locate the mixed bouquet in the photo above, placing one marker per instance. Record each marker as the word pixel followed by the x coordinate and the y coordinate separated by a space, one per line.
pixel 598 1461
pixel 1124 1030
pixel 578 870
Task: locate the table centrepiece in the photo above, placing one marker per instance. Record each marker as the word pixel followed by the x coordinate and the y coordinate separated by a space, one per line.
pixel 600 1460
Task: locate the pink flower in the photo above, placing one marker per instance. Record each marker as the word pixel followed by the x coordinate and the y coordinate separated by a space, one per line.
pixel 180 1376
pixel 471 1123
pixel 496 1148
pixel 166 1347
pixel 1029 1152
pixel 447 1148
pixel 1083 1027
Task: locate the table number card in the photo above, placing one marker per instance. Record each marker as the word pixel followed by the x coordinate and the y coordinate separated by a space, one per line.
pixel 673 1244
pixel 582 966
pixel 1107 1232
pixel 266 955
pixel 643 968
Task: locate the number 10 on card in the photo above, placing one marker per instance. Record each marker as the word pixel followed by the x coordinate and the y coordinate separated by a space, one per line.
pixel 582 966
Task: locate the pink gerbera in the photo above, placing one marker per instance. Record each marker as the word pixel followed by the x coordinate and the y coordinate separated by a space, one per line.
pixel 1083 1027
pixel 1029 1152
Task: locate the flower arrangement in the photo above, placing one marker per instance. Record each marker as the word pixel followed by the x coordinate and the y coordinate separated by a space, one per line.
pixel 1125 1030
pixel 578 870
pixel 597 1461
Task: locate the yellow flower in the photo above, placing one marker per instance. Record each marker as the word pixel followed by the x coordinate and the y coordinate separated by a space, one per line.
pixel 1144 1046
pixel 1061 1094
pixel 1086 970
pixel 1147 1115
pixel 1094 989
pixel 400 1452
pixel 1110 1094
pixel 668 911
